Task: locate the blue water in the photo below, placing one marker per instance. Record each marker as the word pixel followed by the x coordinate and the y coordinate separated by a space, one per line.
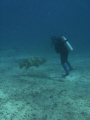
pixel 39 93
pixel 26 23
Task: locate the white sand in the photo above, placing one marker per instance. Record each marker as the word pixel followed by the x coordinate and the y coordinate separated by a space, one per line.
pixel 40 93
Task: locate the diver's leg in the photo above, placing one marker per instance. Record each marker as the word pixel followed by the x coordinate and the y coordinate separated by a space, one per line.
pixel 63 59
pixel 67 62
pixel 69 65
pixel 66 70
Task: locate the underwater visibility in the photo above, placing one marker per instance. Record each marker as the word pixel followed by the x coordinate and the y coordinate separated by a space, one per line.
pixel 45 60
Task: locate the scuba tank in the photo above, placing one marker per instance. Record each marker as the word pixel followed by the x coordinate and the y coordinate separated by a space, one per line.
pixel 67 44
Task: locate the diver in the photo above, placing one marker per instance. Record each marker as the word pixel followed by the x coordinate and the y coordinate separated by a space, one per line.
pixel 63 47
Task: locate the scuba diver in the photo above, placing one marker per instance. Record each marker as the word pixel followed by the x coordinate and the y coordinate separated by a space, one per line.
pixel 63 47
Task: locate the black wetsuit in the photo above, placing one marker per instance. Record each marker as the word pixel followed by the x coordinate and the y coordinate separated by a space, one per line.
pixel 61 48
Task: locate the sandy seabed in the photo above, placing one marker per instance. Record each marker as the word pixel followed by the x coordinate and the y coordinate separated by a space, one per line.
pixel 40 93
